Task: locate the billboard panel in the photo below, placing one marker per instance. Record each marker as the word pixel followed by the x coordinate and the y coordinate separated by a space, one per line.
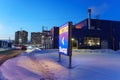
pixel 64 39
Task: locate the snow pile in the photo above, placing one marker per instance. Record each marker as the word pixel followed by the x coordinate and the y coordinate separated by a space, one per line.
pixel 94 51
pixel 5 49
pixel 2 49
pixel 118 52
pixel 29 50
pixel 43 65
pixel 26 68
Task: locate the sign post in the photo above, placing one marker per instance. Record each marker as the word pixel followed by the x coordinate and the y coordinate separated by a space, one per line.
pixel 65 44
pixel 59 57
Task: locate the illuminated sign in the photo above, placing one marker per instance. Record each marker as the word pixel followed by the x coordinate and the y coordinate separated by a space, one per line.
pixel 81 25
pixel 64 39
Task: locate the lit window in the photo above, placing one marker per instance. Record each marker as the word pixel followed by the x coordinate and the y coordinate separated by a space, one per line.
pixel 92 41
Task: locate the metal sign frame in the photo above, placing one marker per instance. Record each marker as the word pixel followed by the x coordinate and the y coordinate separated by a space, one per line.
pixel 65 43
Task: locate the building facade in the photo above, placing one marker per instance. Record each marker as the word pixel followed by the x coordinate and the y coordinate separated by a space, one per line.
pixel 3 44
pixel 99 34
pixel 21 37
pixel 36 38
pixel 42 40
pixel 47 39
pixel 55 37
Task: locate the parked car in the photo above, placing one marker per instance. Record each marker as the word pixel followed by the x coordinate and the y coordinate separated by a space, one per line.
pixel 23 47
pixel 20 47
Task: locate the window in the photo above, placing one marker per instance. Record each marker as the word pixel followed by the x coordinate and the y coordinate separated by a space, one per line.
pixel 92 27
pixel 92 41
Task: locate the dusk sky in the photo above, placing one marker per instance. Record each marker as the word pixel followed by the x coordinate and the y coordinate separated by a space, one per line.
pixel 31 15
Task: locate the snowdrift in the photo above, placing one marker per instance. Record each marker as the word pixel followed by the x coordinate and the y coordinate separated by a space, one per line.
pixel 43 65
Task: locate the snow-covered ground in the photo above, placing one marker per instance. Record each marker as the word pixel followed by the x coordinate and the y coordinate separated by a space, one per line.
pixel 5 49
pixel 43 65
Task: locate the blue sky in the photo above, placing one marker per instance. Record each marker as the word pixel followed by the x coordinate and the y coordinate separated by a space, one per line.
pixel 31 15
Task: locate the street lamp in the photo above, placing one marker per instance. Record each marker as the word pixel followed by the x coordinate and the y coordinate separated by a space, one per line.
pixel 72 39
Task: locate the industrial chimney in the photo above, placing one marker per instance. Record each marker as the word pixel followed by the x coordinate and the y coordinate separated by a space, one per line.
pixel 89 18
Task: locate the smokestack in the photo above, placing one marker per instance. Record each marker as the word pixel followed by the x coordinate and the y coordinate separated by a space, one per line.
pixel 89 18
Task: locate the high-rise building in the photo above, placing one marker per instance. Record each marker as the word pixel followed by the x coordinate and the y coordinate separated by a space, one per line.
pixel 47 39
pixel 21 37
pixel 43 40
pixel 36 38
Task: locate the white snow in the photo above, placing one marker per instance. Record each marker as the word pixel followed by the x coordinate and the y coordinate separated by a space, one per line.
pixel 5 49
pixel 30 50
pixel 99 64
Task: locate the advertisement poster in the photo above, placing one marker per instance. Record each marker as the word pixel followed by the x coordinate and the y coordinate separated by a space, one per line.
pixel 64 40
